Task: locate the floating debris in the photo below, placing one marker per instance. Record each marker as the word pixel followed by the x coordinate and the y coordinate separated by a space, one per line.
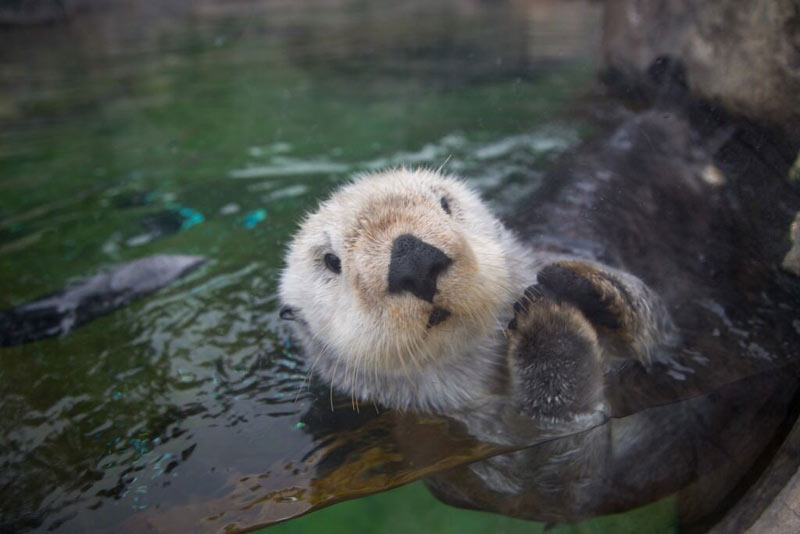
pixel 254 217
pixel 190 217
pixel 166 222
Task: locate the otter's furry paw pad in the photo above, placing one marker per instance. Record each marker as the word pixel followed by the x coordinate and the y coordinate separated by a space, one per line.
pixel 555 358
pixel 601 298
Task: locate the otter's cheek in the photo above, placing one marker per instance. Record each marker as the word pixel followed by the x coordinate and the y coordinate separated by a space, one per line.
pixel 456 287
pixel 475 302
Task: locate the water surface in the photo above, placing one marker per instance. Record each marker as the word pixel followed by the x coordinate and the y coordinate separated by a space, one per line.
pixel 203 128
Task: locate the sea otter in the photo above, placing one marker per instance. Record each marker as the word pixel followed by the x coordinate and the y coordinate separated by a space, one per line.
pixel 407 291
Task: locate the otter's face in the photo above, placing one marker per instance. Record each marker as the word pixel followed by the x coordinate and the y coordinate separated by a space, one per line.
pixel 396 270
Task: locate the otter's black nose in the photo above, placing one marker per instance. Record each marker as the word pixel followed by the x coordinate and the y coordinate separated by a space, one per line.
pixel 414 267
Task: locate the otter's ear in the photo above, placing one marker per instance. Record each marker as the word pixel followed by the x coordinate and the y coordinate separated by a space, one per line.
pixel 287 313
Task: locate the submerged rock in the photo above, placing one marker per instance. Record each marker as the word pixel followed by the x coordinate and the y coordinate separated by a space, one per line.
pixel 88 299
pixel 746 58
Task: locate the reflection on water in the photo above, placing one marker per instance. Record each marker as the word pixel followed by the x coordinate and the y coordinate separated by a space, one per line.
pixel 209 128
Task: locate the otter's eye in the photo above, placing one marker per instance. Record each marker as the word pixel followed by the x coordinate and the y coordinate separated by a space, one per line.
pixel 445 205
pixel 333 263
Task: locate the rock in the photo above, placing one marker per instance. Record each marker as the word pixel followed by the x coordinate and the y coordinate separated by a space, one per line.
pixel 794 172
pixel 772 504
pixel 791 262
pixel 783 515
pixel 746 58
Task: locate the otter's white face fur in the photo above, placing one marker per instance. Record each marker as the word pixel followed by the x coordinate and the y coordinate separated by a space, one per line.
pixel 372 329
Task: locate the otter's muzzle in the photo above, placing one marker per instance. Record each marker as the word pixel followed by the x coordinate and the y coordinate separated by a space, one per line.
pixel 415 266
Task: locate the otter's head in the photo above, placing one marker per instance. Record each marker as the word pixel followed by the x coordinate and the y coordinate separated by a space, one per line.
pixel 395 271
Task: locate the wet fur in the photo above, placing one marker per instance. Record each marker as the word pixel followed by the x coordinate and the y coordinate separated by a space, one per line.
pixel 378 347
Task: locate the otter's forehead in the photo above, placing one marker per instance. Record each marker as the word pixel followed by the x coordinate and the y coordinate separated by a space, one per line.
pixel 405 186
pixel 378 196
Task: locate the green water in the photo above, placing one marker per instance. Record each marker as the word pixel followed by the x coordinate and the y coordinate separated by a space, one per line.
pixel 206 130
pixel 413 508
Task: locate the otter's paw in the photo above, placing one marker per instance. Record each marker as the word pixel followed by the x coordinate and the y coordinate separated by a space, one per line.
pixel 630 319
pixel 602 298
pixel 554 357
